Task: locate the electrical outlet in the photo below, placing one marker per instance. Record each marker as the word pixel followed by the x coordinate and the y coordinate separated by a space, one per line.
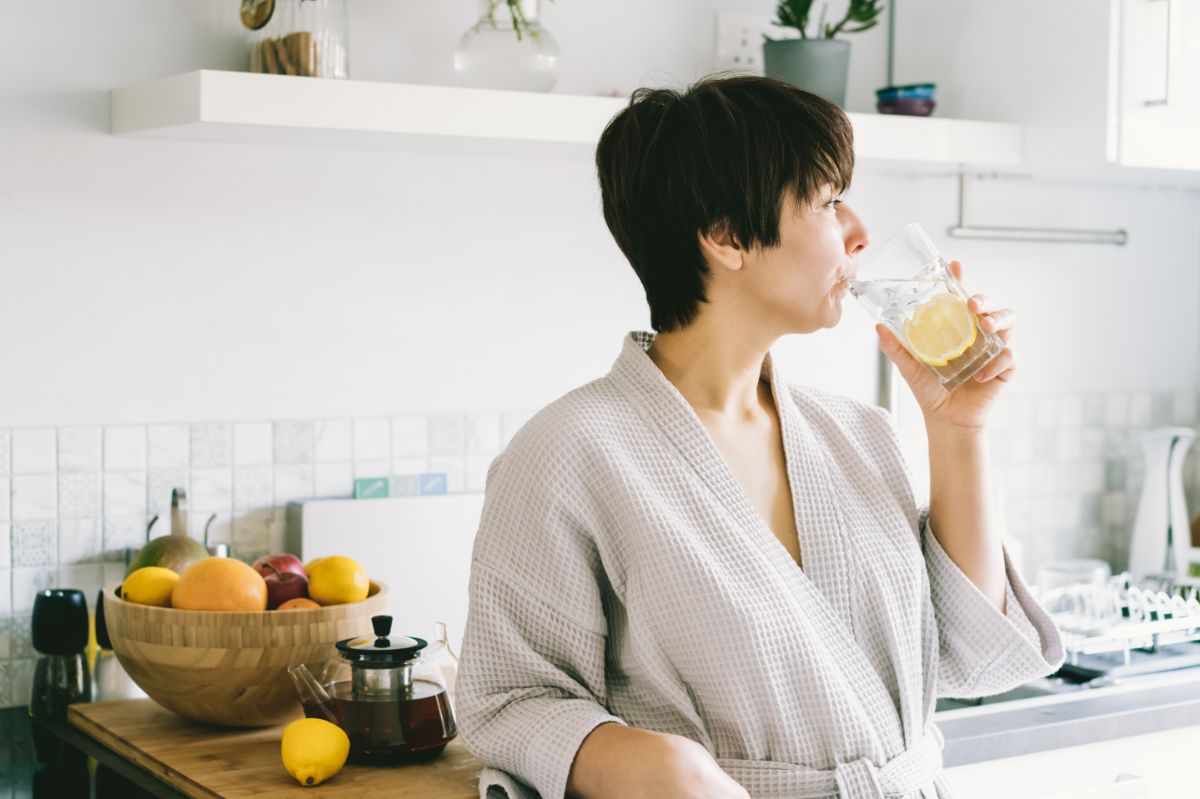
pixel 740 40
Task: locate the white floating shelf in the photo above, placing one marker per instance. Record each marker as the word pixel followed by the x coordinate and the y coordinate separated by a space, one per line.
pixel 279 109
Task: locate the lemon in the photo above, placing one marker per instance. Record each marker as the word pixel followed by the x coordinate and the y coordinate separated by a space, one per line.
pixel 150 585
pixel 941 329
pixel 337 580
pixel 313 750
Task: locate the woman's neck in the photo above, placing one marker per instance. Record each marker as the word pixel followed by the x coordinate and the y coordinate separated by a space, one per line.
pixel 717 371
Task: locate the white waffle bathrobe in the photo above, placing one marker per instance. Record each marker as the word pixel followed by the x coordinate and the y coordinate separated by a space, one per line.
pixel 621 573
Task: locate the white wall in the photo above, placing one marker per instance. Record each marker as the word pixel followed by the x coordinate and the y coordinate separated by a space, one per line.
pixel 154 280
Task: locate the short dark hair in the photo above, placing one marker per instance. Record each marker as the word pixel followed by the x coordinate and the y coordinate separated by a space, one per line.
pixel 722 153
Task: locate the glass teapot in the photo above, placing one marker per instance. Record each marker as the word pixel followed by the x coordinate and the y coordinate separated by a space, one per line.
pixel 394 707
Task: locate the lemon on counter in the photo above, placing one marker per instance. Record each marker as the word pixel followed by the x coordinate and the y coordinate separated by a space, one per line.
pixel 941 329
pixel 337 580
pixel 313 750
pixel 150 585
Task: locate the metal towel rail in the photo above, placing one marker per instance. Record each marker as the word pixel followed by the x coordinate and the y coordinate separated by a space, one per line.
pixel 963 230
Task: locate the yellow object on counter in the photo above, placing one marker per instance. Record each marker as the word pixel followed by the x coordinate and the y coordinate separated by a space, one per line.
pixel 313 750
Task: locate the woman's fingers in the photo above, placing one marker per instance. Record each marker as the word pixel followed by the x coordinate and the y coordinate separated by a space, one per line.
pixel 999 368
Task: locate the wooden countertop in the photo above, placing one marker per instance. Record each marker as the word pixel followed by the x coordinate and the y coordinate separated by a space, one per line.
pixel 213 762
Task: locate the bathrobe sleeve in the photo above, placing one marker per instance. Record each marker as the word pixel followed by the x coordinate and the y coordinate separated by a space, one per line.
pixel 982 651
pixel 531 682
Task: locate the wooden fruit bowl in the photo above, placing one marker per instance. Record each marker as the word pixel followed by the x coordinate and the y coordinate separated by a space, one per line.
pixel 230 667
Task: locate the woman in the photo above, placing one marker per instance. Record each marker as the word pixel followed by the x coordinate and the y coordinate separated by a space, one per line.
pixel 696 580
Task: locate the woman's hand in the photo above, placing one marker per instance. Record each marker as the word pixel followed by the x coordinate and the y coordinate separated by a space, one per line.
pixel 632 763
pixel 967 406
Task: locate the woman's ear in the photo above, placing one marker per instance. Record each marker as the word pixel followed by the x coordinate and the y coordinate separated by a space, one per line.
pixel 720 247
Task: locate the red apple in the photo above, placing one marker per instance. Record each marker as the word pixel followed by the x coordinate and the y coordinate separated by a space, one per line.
pixel 269 564
pixel 283 586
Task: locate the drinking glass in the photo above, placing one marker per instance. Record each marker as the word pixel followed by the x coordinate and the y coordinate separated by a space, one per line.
pixel 906 284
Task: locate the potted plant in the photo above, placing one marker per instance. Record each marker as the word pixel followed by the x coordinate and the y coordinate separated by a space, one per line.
pixel 819 63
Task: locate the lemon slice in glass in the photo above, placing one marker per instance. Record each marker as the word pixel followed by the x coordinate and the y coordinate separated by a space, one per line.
pixel 941 329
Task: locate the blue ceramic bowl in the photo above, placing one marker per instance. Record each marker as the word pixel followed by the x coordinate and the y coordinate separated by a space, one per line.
pixel 913 91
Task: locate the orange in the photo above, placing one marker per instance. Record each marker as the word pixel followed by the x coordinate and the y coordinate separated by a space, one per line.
pixel 298 603
pixel 220 584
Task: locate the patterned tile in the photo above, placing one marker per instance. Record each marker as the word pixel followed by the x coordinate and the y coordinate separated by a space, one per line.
pixel 21 641
pixel 80 449
pixel 6 592
pixel 211 445
pixel 160 482
pixel 126 532
pixel 5 552
pixel 253 487
pixel 293 483
pixel 5 449
pixel 447 435
pixel 79 495
pixel 293 443
pixel 5 498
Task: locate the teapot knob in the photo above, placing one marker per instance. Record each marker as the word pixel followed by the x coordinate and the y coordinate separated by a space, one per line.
pixel 382 625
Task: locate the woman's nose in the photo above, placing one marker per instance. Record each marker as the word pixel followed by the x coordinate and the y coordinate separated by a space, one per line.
pixel 855 234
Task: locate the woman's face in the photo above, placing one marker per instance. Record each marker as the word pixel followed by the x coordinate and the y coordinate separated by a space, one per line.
pixel 799 286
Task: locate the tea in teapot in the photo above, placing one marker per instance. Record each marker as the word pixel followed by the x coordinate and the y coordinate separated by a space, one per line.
pixel 394 708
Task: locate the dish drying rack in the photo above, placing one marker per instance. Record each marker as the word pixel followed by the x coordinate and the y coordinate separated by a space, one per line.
pixel 1126 614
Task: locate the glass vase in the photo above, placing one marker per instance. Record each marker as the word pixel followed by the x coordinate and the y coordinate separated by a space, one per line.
pixel 507 48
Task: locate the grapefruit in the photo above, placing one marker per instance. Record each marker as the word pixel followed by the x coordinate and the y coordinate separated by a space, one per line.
pixel 220 584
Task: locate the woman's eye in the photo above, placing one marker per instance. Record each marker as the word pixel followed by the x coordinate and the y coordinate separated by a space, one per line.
pixel 833 203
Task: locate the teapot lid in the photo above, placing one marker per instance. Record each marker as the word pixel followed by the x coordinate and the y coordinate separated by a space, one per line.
pixel 382 651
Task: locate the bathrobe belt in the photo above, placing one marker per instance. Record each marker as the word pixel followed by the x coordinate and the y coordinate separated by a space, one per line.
pixel 906 774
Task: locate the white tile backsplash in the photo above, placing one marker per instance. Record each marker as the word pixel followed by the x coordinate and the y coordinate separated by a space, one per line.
pixel 80 449
pixel 372 440
pixel 34 451
pixel 1068 470
pixel 334 480
pixel 34 497
pixel 124 448
pixel 168 446
pixel 410 437
pixel 124 493
pixel 252 444
pixel 333 440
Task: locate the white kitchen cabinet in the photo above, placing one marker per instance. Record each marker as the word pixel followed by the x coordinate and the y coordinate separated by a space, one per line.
pixel 1159 764
pixel 1087 79
pixel 1159 84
